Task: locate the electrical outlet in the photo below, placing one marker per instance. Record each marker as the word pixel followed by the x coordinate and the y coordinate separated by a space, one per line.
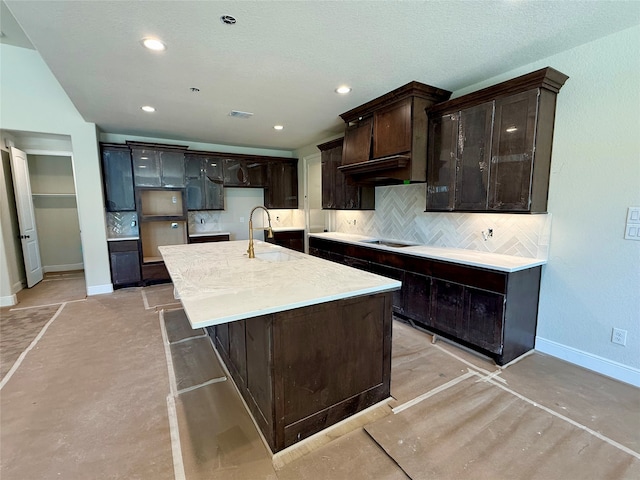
pixel 619 336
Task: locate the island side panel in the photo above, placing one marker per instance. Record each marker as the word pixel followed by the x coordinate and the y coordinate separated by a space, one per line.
pixel 311 367
pixel 331 361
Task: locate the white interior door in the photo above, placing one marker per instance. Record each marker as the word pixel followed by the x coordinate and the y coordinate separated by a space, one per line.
pixel 26 217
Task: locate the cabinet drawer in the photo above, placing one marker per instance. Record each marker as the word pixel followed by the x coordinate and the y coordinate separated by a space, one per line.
pixel 123 246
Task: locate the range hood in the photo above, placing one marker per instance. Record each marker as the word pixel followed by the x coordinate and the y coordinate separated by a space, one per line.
pixel 385 141
pixel 392 170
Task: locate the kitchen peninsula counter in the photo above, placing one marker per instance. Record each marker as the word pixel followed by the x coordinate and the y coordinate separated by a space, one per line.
pixel 306 341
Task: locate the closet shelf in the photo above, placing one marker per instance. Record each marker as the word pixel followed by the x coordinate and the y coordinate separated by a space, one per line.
pixel 53 194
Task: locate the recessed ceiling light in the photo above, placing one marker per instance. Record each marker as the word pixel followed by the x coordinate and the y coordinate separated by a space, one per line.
pixel 154 44
pixel 148 109
pixel 343 89
pixel 228 20
pixel 278 127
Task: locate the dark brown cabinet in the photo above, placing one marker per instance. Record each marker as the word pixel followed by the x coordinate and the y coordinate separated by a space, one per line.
pixel 204 182
pixel 337 193
pixel 223 237
pixel 125 262
pixel 281 189
pixel 157 165
pixel 512 155
pixel 117 174
pixel 302 370
pixel 492 312
pixel 293 239
pixel 491 150
pixel 385 141
pixel 240 172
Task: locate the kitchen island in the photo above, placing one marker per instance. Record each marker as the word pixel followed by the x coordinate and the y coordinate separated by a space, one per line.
pixel 306 341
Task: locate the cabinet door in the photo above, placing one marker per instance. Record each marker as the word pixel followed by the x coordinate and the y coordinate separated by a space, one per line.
pixel 282 185
pixel 237 349
pixel 446 306
pixel 118 179
pixel 146 167
pixel 172 164
pixel 482 319
pixel 417 295
pixel 392 129
pixel 329 172
pixel 213 183
pixel 441 162
pixel 222 337
pixel 125 262
pixel 357 142
pixel 396 274
pixel 512 152
pixel 259 351
pixel 473 158
pixel 244 173
pixel 195 183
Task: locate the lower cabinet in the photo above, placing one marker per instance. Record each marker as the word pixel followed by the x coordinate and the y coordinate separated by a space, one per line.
pixel 293 239
pixel 492 312
pixel 125 262
pixel 223 237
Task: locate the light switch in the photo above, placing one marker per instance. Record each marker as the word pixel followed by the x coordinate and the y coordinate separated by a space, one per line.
pixel 632 227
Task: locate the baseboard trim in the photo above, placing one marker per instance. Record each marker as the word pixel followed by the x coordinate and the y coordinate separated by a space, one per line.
pixel 589 361
pixel 8 300
pixel 99 289
pixel 62 268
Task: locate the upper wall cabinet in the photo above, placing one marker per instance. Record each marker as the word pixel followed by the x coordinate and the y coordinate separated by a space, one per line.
pixel 240 172
pixel 282 184
pixel 337 194
pixel 385 139
pixel 118 178
pixel 491 150
pixel 157 165
pixel 204 181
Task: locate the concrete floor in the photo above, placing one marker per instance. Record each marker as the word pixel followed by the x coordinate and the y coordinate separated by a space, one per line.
pixel 115 386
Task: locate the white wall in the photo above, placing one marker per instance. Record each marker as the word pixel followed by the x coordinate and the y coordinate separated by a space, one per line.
pixel 33 101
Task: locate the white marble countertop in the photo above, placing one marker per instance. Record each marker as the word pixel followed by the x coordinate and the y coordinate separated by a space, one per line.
pixel 492 261
pixel 218 283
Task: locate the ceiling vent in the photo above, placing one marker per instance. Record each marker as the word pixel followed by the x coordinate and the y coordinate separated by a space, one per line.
pixel 239 114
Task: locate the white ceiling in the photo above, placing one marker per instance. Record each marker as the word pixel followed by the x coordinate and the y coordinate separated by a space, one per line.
pixel 282 60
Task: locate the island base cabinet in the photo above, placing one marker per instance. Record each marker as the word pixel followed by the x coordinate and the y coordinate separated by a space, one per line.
pixel 309 368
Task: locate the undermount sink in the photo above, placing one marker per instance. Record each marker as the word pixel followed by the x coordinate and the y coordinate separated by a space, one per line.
pixel 275 256
pixel 388 243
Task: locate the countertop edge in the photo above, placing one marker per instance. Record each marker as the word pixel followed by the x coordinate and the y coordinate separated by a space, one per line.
pixel 393 285
pixel 527 261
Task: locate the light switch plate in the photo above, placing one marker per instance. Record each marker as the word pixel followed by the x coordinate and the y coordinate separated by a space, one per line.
pixel 632 227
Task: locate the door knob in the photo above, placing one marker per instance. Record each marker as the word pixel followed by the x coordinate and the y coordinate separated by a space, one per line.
pixel 24 236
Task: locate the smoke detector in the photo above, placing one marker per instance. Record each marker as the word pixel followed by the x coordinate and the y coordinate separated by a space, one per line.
pixel 228 20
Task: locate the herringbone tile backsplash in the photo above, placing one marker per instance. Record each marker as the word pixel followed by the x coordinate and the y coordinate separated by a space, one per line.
pixel 400 215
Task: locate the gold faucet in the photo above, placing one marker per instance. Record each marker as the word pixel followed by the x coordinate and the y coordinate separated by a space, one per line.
pixel 269 230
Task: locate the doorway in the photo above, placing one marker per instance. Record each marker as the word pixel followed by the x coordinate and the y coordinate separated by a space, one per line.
pixel 316 219
pixel 51 180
